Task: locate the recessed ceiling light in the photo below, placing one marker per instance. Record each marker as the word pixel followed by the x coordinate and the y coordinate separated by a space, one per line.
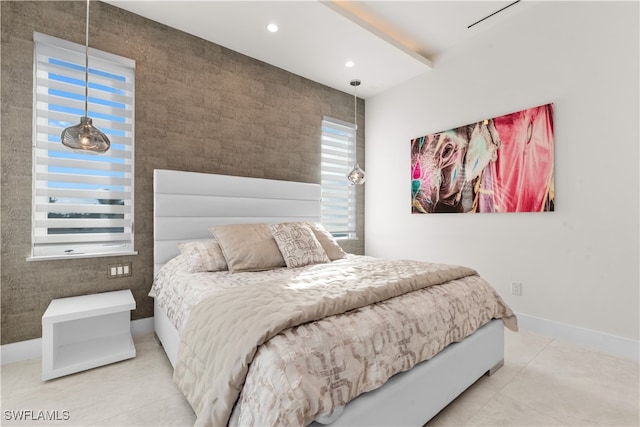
pixel 272 28
pixel 349 64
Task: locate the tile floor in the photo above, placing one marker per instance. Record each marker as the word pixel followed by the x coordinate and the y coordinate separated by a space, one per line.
pixel 544 382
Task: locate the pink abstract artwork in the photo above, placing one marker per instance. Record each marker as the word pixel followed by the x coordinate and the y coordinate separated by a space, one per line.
pixel 504 164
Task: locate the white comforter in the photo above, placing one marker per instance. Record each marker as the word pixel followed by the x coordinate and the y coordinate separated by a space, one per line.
pixel 296 377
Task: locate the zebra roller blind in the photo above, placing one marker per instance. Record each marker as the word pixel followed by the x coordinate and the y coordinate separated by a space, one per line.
pixel 338 153
pixel 82 203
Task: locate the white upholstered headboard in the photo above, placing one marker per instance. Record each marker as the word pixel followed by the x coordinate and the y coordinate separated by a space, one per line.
pixel 186 203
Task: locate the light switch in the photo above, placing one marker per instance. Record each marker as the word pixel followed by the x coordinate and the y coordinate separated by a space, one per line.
pixel 113 271
pixel 126 269
pixel 119 270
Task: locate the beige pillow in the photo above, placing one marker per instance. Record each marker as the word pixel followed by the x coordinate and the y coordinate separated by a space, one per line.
pixel 204 255
pixel 248 247
pixel 298 245
pixel 329 244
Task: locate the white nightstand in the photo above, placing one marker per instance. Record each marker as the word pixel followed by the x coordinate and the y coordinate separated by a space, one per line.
pixel 87 331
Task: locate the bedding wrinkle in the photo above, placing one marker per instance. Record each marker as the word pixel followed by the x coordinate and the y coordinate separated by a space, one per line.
pixel 300 345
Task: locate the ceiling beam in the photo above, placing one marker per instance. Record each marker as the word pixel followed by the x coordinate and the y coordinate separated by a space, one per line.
pixel 376 26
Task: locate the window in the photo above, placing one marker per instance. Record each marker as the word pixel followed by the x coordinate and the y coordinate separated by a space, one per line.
pixel 338 152
pixel 82 203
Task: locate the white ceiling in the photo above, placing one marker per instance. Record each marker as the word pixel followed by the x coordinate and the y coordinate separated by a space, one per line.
pixel 389 41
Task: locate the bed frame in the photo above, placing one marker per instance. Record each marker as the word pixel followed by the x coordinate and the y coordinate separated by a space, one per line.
pixel 186 203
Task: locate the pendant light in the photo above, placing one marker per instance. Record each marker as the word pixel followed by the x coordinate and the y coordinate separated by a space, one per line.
pixel 84 137
pixel 356 175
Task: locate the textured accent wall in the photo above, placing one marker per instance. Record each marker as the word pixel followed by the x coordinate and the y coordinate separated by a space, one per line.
pixel 199 107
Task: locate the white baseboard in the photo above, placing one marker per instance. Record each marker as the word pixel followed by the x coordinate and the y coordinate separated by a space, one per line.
pixel 32 349
pixel 617 346
pixel 606 343
pixel 142 326
pixel 21 350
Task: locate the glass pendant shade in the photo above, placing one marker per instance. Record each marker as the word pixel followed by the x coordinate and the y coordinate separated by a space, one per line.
pixel 356 176
pixel 85 137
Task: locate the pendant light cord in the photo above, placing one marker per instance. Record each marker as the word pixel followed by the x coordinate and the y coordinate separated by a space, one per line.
pixel 355 107
pixel 86 65
pixel 356 175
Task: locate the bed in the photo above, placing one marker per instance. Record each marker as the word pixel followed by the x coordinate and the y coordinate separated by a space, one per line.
pixel 187 204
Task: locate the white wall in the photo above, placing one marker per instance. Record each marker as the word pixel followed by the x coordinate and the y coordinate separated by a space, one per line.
pixel 578 265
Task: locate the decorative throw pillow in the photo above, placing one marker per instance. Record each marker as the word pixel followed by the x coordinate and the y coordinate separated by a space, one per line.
pixel 298 244
pixel 329 244
pixel 204 255
pixel 248 247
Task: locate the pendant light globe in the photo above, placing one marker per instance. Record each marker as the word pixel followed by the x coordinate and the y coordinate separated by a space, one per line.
pixel 85 137
pixel 356 175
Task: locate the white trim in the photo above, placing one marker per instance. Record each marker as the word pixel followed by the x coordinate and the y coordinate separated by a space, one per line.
pixel 98 255
pixel 142 326
pixel 32 349
pixel 607 343
pixel 21 350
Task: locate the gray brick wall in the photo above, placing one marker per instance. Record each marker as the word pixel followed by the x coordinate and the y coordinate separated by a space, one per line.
pixel 199 107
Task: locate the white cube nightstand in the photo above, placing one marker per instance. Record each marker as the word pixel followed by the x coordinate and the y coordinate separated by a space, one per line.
pixel 87 331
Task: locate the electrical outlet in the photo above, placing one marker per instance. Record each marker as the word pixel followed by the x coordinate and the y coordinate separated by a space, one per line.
pixel 119 270
pixel 516 289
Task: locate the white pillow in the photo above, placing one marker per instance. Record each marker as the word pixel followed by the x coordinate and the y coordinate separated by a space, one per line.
pixel 248 247
pixel 204 255
pixel 298 244
pixel 329 244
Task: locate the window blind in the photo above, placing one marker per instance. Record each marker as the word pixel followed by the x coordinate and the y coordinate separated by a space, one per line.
pixel 82 203
pixel 338 154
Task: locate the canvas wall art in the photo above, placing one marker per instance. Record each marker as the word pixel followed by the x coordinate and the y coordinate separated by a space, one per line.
pixel 504 164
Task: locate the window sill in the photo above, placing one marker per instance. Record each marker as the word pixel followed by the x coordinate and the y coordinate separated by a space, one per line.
pixel 78 256
pixel 346 239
